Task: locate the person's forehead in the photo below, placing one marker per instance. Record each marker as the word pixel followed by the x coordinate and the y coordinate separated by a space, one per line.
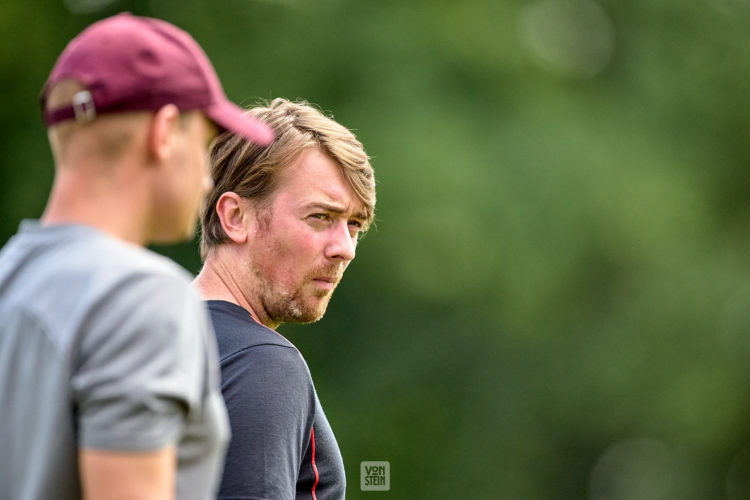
pixel 314 177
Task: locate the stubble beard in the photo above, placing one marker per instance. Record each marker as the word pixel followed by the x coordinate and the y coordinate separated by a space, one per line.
pixel 289 306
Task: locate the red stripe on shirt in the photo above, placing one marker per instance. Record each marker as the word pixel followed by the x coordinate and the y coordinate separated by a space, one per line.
pixel 315 467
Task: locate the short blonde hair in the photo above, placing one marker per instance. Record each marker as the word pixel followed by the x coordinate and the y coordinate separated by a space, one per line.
pixel 252 171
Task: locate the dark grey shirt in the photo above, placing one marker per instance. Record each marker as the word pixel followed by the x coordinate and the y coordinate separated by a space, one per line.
pixel 282 446
pixel 103 345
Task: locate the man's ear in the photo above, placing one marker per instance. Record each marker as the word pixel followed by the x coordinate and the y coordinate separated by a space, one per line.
pixel 160 133
pixel 234 216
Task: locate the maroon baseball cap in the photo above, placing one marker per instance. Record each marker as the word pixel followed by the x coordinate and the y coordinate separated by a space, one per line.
pixel 131 63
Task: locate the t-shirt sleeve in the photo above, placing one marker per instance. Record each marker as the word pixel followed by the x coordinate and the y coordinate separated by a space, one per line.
pixel 271 400
pixel 139 370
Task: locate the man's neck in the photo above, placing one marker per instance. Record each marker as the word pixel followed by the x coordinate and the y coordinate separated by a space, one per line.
pixel 216 282
pixel 117 212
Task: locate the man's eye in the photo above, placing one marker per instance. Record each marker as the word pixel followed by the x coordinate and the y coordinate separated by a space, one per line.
pixel 319 216
pixel 356 224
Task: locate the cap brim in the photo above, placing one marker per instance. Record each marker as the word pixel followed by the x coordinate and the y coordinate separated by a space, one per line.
pixel 232 118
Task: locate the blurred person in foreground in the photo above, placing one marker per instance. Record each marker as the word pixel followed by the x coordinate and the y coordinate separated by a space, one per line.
pixel 109 379
pixel 280 227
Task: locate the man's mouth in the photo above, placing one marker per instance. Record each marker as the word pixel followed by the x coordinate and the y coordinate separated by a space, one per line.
pixel 326 279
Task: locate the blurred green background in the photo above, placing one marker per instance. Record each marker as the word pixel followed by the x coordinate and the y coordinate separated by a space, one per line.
pixel 555 302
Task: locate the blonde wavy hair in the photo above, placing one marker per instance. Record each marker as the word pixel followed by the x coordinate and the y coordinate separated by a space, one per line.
pixel 252 171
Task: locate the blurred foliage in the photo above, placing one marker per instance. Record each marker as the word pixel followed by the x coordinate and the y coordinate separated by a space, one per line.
pixel 555 302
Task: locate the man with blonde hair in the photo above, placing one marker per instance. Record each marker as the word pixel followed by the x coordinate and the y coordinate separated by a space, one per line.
pixel 280 227
pixel 109 379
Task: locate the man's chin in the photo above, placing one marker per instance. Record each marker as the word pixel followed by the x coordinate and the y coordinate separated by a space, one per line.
pixel 310 314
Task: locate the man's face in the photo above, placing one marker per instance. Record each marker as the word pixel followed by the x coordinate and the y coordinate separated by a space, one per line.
pixel 302 243
pixel 189 179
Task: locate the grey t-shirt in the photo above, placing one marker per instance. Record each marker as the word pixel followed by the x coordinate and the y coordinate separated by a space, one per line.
pixel 103 345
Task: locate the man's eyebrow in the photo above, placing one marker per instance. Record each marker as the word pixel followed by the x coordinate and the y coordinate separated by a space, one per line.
pixel 335 209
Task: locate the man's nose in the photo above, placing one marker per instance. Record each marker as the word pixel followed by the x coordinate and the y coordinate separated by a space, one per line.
pixel 342 245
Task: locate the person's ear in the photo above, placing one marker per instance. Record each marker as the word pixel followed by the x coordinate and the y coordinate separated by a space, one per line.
pixel 160 133
pixel 233 215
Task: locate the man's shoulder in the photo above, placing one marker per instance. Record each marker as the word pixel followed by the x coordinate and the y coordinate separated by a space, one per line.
pixel 261 371
pixel 57 270
pixel 131 259
pixel 78 249
pixel 236 330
